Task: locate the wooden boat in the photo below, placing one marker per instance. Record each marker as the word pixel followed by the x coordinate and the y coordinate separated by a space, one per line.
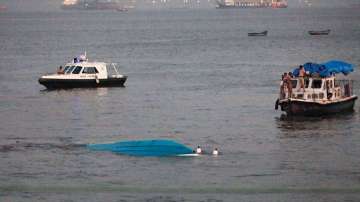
pixel 320 96
pixel 321 32
pixel 264 33
pixel 83 74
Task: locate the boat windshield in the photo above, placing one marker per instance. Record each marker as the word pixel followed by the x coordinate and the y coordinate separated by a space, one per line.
pixel 77 70
pixel 66 68
pixel 69 70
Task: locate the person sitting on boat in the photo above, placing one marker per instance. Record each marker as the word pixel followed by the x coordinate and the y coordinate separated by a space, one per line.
pixel 302 74
pixel 60 70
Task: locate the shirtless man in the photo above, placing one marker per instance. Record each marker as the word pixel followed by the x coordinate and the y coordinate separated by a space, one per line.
pixel 301 77
pixel 287 83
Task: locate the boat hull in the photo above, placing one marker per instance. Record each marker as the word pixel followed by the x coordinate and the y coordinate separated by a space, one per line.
pixel 82 83
pixel 325 32
pixel 156 147
pixel 258 33
pixel 303 108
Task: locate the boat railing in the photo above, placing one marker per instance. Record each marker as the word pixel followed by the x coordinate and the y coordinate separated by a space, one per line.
pixel 346 87
pixel 112 70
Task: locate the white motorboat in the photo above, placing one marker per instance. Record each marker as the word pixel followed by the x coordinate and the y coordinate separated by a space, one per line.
pixel 83 74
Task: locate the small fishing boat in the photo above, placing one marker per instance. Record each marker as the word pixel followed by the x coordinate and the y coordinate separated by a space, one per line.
pixel 264 33
pixel 154 147
pixel 321 32
pixel 322 93
pixel 83 74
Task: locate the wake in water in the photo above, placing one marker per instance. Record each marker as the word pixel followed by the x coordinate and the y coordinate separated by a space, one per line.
pixel 23 146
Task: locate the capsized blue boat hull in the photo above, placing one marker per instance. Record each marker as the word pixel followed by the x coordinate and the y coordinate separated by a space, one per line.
pixel 156 147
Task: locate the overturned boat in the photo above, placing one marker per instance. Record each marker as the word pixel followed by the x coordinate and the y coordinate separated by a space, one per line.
pixel 83 74
pixel 322 93
pixel 153 147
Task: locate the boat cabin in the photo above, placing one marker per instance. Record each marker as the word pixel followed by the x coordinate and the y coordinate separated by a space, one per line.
pixel 318 89
pixel 85 70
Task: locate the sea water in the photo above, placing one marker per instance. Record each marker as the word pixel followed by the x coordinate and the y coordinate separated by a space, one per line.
pixel 194 76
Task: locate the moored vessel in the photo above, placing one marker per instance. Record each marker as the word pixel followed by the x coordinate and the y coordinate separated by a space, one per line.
pixel 319 91
pixel 319 32
pixel 90 5
pixel 251 4
pixel 83 74
pixel 264 33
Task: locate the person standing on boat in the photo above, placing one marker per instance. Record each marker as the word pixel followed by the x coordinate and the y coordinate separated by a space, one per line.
pixel 287 83
pixel 282 86
pixel 302 74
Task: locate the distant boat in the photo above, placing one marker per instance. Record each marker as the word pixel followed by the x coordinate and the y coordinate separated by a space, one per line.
pixel 154 147
pixel 90 5
pixel 251 4
pixel 320 32
pixel 264 33
pixel 122 9
pixel 3 8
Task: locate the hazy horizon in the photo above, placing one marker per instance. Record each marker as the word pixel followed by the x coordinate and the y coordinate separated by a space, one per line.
pixel 54 5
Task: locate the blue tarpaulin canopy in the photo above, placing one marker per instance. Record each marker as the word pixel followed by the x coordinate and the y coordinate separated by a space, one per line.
pixel 155 147
pixel 326 69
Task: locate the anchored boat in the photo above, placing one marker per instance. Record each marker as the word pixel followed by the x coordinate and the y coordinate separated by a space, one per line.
pixel 320 32
pixel 319 92
pixel 90 5
pixel 264 33
pixel 251 4
pixel 83 74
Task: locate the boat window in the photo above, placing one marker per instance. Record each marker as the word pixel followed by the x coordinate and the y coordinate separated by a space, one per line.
pixel 77 70
pixel 316 83
pixel 69 70
pixel 90 70
pixel 66 68
pixel 293 83
pixel 307 81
